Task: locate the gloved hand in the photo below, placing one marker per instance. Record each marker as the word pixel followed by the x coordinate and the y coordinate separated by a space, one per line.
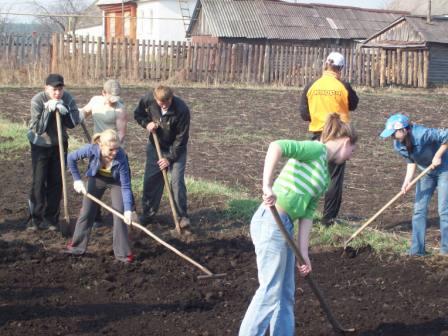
pixel 62 109
pixel 79 187
pixel 51 105
pixel 128 217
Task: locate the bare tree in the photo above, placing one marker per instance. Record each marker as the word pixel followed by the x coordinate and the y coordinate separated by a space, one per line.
pixel 58 14
pixel 4 18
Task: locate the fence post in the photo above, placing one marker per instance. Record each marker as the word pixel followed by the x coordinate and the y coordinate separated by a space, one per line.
pixel 425 68
pixel 383 68
pixel 267 62
pixel 54 53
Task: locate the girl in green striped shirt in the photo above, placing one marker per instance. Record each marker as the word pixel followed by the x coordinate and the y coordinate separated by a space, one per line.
pixel 295 193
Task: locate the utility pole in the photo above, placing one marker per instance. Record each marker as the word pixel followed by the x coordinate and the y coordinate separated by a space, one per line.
pixel 428 17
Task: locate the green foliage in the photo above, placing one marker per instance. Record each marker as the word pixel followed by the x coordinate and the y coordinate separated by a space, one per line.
pixel 241 209
pixel 12 138
pixel 337 234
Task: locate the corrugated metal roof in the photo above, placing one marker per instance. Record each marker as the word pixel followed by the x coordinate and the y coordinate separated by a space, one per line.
pixel 274 19
pixel 434 32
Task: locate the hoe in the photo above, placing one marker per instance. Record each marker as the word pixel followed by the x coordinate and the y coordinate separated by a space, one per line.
pixel 314 287
pixel 207 273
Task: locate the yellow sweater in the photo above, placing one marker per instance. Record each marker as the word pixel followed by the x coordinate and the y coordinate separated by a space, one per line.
pixel 327 95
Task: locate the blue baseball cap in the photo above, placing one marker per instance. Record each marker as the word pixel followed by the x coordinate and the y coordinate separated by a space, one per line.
pixel 395 122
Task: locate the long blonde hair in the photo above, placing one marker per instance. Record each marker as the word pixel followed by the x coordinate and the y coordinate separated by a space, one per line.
pixel 335 128
pixel 105 137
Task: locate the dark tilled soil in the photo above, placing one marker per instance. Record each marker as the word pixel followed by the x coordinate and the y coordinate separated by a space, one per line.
pixel 46 292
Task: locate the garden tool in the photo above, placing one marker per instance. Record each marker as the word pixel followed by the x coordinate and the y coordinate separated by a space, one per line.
pixel 86 132
pixel 314 287
pixel 64 229
pixel 208 274
pixel 397 196
pixel 168 187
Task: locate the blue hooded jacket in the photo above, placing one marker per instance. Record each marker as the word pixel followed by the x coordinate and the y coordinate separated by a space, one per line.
pixel 119 169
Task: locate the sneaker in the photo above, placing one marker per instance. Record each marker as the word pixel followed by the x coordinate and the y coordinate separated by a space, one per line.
pixel 184 222
pixel 127 260
pixel 52 227
pixel 72 250
pixel 146 220
pixel 31 227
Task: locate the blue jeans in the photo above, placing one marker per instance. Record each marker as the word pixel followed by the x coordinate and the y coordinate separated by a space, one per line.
pixel 273 302
pixel 424 191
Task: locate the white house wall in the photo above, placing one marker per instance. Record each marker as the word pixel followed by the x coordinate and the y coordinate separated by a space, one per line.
pixel 150 28
pixel 91 31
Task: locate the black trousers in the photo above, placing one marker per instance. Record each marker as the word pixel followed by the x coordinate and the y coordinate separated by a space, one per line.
pixel 333 196
pixel 46 186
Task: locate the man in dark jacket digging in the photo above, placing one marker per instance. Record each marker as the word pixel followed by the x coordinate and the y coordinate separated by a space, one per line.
pixel 46 187
pixel 167 116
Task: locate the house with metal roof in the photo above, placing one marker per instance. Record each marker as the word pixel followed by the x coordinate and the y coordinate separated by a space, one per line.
pixel 413 33
pixel 165 20
pixel 275 21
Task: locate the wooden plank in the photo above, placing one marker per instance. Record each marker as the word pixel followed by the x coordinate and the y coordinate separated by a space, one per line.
pixel 54 53
pixel 207 53
pixel 425 68
pixel 404 69
pixel 158 60
pixel 415 66
pixel 171 60
pixel 260 69
pixel 383 68
pixel 266 70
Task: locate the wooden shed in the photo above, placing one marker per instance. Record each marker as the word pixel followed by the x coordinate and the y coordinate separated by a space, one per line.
pixel 414 33
pixel 280 22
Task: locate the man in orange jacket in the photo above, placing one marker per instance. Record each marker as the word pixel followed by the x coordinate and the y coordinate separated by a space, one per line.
pixel 322 97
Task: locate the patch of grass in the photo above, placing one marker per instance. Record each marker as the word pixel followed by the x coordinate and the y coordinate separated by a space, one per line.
pixel 337 234
pixel 241 209
pixel 12 137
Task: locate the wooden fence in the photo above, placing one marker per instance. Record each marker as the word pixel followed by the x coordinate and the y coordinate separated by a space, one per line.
pixel 82 59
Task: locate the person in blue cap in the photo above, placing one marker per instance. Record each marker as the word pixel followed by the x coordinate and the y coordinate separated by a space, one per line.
pixel 422 147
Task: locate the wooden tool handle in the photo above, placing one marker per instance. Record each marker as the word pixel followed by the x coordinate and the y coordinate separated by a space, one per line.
pixel 152 235
pixel 62 160
pixel 314 287
pixel 388 204
pixel 167 185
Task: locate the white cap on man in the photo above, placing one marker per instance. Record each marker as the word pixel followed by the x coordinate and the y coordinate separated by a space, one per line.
pixel 113 88
pixel 336 59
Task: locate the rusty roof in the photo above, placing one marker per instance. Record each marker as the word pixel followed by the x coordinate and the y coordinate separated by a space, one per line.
pixel 274 19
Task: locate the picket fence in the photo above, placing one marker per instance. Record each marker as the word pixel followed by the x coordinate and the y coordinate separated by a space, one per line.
pixel 93 59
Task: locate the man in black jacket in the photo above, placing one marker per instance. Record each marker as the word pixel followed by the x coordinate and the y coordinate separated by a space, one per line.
pixel 168 117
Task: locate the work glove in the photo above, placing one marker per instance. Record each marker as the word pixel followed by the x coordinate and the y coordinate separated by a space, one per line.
pixel 62 109
pixel 79 187
pixel 51 105
pixel 128 217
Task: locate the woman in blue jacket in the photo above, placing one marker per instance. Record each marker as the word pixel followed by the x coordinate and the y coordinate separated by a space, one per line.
pixel 423 147
pixel 108 169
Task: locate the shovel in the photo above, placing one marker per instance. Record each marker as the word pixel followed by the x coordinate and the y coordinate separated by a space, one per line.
pixel 397 196
pixel 64 228
pixel 167 185
pixel 207 273
pixel 314 287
